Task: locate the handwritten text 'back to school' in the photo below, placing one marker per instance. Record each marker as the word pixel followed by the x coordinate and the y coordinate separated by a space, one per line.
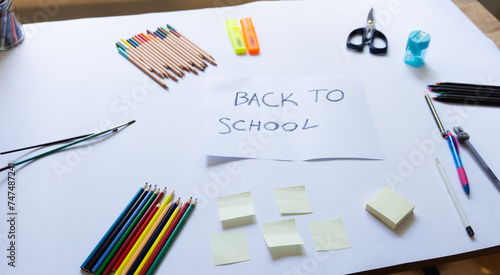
pixel 275 100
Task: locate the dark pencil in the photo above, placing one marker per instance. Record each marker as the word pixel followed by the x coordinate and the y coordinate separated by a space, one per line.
pixel 469 100
pixel 153 238
pixel 125 231
pixel 86 264
pixel 147 216
pixel 166 242
pixel 469 94
pixel 467 85
pixel 463 89
pixel 115 231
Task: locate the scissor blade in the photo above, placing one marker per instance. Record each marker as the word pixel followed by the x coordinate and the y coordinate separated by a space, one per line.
pixel 370 16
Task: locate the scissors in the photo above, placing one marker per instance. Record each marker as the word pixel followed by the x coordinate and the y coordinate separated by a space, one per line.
pixel 368 36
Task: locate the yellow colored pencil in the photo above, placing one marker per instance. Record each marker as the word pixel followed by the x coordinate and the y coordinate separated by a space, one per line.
pixel 156 218
pixel 158 239
pixel 143 243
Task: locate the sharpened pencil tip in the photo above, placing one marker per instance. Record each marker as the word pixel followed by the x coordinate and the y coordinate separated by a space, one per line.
pixel 131 122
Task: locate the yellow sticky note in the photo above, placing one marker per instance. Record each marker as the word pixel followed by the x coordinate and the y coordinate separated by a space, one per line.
pixel 292 200
pixel 230 247
pixel 329 235
pixel 390 207
pixel 281 233
pixel 236 206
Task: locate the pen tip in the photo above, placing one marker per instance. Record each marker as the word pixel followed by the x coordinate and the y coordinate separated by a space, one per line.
pixel 131 122
pixel 469 231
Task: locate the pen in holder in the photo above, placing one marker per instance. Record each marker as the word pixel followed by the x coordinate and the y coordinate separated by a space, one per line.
pixel 11 30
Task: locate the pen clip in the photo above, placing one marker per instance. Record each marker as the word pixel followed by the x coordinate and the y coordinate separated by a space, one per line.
pixel 456 143
pixel 449 134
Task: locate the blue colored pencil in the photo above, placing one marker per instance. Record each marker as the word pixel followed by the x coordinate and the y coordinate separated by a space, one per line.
pixel 86 264
pixel 124 228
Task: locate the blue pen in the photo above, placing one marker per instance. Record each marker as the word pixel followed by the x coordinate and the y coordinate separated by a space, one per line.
pixel 452 142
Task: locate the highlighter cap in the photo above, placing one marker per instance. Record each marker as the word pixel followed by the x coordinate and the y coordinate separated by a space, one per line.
pixel 231 23
pixel 246 22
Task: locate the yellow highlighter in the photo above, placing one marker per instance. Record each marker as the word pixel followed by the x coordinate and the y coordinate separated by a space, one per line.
pixel 249 35
pixel 235 36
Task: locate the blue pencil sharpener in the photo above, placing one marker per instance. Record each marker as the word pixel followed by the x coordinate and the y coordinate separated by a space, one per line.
pixel 416 48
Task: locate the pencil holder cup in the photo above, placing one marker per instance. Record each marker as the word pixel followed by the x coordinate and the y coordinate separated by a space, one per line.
pixel 11 30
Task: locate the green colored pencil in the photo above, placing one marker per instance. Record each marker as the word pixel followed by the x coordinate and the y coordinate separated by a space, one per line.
pixel 171 239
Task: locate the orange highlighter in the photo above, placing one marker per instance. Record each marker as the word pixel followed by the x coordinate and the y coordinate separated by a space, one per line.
pixel 249 35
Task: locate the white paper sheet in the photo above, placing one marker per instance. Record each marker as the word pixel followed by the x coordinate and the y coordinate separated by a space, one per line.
pixel 51 89
pixel 310 117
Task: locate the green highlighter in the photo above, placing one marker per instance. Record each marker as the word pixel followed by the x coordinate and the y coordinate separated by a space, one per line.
pixel 235 36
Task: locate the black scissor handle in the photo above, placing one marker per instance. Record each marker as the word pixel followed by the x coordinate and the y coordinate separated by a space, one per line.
pixel 378 35
pixel 357 47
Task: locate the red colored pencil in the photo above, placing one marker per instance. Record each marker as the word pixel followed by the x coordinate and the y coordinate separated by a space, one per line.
pixel 122 253
pixel 158 248
pixel 144 220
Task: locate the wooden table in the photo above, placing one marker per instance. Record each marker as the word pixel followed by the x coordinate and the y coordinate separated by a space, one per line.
pixel 481 17
pixel 35 11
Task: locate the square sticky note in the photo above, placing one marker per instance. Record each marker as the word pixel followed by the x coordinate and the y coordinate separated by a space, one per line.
pixel 230 247
pixel 236 206
pixel 281 233
pixel 292 200
pixel 390 207
pixel 329 235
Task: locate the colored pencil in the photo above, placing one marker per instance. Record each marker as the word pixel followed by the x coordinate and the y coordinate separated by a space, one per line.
pixel 120 226
pixel 468 100
pixel 151 226
pixel 165 230
pixel 469 85
pixel 139 209
pixel 146 58
pixel 136 237
pixel 131 48
pixel 87 264
pixel 193 51
pixel 141 224
pixel 142 44
pixel 174 44
pixel 128 230
pixel 464 89
pixel 136 62
pixel 144 241
pixel 207 56
pixel 470 94
pixel 166 242
pixel 67 145
pixel 165 50
pixel 125 249
pixel 166 222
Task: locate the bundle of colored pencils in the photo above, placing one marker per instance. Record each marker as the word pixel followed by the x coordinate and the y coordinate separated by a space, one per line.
pixel 164 53
pixel 11 31
pixel 141 235
pixel 472 94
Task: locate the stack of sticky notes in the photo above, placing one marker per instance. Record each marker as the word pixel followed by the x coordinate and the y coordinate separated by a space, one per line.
pixel 390 207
